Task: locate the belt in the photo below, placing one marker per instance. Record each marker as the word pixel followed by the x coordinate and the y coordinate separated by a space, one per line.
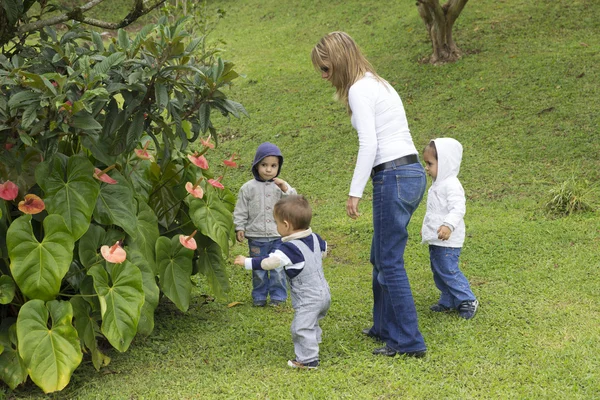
pixel 409 159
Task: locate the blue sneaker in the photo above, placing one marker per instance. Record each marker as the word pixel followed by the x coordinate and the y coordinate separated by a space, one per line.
pixel 440 308
pixel 309 365
pixel 467 309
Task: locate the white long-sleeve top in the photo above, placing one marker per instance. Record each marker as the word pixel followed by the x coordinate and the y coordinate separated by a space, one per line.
pixel 446 203
pixel 380 120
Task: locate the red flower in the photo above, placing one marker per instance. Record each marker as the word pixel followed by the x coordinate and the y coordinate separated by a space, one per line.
pixel 32 204
pixel 229 162
pixel 8 191
pixel 198 161
pixel 114 254
pixel 194 190
pixel 103 176
pixel 143 153
pixel 216 183
pixel 188 241
pixel 8 146
pixel 207 143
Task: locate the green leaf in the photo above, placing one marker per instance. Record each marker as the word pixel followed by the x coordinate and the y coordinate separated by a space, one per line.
pixel 204 117
pixel 12 368
pixel 123 39
pixel 38 268
pixel 87 327
pixel 212 265
pixel 51 354
pixel 14 9
pixel 151 290
pixel 22 99
pixel 121 296
pixel 162 96
pixel 116 205
pixel 70 190
pixel 98 41
pixel 7 289
pixel 147 234
pixel 175 268
pixel 212 219
pixel 109 62
pixel 28 118
pixel 86 122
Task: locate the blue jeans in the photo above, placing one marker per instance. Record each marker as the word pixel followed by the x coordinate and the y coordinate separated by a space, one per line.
pixel 397 193
pixel 271 283
pixel 447 276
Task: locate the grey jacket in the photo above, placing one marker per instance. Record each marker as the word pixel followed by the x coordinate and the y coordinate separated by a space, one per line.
pixel 253 212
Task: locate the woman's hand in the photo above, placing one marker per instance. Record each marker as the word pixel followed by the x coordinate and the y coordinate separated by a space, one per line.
pixel 352 207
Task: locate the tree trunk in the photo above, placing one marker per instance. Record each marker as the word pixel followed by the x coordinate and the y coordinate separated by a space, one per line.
pixel 439 21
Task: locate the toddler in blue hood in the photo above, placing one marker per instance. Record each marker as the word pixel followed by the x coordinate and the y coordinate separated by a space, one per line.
pixel 253 220
pixel 444 227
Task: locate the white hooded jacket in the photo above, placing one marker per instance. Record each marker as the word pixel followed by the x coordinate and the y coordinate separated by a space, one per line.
pixel 446 204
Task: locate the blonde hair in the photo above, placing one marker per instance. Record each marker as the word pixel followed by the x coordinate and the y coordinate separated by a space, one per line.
pixel 339 53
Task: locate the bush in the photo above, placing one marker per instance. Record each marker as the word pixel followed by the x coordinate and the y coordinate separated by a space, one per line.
pixel 108 201
pixel 570 197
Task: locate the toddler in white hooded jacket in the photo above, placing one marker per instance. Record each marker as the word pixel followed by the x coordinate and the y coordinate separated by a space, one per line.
pixel 444 227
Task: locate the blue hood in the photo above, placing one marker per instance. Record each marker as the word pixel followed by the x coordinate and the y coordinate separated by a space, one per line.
pixel 264 150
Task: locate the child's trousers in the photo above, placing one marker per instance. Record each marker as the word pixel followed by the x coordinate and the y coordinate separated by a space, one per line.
pixel 271 283
pixel 448 278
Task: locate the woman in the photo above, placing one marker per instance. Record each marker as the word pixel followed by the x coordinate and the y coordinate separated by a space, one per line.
pixel 387 154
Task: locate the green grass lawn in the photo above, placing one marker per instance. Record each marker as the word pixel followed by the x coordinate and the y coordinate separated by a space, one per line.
pixel 524 104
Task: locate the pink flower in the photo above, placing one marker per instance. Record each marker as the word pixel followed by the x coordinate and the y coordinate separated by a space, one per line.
pixel 143 153
pixel 32 204
pixel 188 241
pixel 229 162
pixel 8 146
pixel 207 143
pixel 114 254
pixel 102 175
pixel 194 190
pixel 216 183
pixel 8 191
pixel 198 161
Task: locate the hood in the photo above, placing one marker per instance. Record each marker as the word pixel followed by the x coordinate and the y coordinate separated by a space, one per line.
pixel 264 150
pixel 449 152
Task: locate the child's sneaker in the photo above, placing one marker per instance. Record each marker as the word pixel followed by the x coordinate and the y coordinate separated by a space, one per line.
pixel 467 309
pixel 309 365
pixel 439 308
pixel 260 303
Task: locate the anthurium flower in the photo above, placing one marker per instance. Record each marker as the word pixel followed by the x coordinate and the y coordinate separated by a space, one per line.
pixel 143 153
pixel 8 191
pixel 216 183
pixel 188 241
pixel 32 204
pixel 229 162
pixel 207 143
pixel 102 175
pixel 114 254
pixel 195 190
pixel 198 161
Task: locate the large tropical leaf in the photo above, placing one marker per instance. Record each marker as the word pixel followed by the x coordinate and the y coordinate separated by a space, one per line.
pixel 12 367
pixel 7 289
pixel 147 234
pixel 116 205
pixel 50 352
pixel 213 220
pixel 121 295
pixel 175 268
pixel 86 323
pixel 211 264
pixel 70 190
pixel 151 290
pixel 39 267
